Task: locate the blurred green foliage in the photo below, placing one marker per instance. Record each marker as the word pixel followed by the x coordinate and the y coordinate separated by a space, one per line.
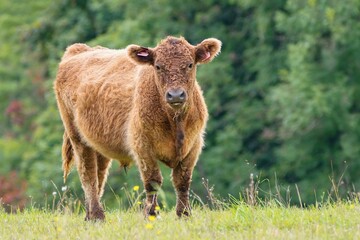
pixel 283 96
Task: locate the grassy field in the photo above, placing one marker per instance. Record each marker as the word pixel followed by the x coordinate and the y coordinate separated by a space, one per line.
pixel 241 221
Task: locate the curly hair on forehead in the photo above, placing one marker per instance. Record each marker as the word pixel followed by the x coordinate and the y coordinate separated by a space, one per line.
pixel 173 40
pixel 172 46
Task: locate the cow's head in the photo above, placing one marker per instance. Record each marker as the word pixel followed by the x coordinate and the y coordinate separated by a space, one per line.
pixel 174 61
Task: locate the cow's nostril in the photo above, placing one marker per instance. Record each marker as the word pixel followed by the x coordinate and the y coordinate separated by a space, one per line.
pixel 169 97
pixel 182 95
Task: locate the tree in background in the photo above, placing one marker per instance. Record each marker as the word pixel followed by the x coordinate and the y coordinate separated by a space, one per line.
pixel 317 100
pixel 282 96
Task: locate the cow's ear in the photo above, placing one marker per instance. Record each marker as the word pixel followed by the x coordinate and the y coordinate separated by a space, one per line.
pixel 140 54
pixel 207 50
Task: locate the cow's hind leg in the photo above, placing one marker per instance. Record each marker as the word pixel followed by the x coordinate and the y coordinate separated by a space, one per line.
pixel 86 162
pixel 103 165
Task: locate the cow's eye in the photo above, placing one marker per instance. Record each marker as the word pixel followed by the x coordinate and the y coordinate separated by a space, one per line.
pixel 157 67
pixel 190 66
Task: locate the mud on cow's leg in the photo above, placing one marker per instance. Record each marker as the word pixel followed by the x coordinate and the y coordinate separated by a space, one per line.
pixel 152 180
pixel 181 177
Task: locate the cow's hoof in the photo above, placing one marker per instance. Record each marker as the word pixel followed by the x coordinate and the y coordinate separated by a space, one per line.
pixel 150 210
pixel 183 212
pixel 97 215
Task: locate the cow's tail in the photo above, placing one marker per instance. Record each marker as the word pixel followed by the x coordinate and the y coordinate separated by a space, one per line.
pixel 67 155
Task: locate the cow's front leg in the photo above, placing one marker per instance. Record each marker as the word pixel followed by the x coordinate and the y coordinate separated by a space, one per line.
pixel 152 180
pixel 181 177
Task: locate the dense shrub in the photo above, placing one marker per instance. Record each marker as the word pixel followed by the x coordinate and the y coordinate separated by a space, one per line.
pixel 13 192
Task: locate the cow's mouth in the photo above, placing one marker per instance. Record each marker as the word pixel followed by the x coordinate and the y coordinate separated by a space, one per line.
pixel 176 105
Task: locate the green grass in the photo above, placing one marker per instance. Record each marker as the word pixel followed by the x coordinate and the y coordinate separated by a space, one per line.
pixel 241 221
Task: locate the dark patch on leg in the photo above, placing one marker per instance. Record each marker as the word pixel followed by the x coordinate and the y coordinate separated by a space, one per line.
pixel 180 135
pixel 151 203
pixel 182 179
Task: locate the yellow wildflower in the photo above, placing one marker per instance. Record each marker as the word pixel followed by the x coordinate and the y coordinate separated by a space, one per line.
pixel 149 226
pixel 157 208
pixel 136 188
pixel 152 218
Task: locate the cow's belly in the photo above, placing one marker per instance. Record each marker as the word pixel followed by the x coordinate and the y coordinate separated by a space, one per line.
pixel 111 144
pixel 102 112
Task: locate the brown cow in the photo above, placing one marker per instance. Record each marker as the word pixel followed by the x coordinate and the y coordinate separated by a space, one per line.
pixel 135 104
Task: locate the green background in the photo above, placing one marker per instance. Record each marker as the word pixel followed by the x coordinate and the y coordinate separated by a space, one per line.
pixel 283 96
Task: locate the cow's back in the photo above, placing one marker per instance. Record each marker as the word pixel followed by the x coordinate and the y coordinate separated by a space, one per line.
pixel 97 86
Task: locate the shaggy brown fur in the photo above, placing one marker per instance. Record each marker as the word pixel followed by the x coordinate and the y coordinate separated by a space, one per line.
pixel 113 104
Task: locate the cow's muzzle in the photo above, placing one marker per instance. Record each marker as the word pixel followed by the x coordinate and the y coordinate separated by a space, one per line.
pixel 176 97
